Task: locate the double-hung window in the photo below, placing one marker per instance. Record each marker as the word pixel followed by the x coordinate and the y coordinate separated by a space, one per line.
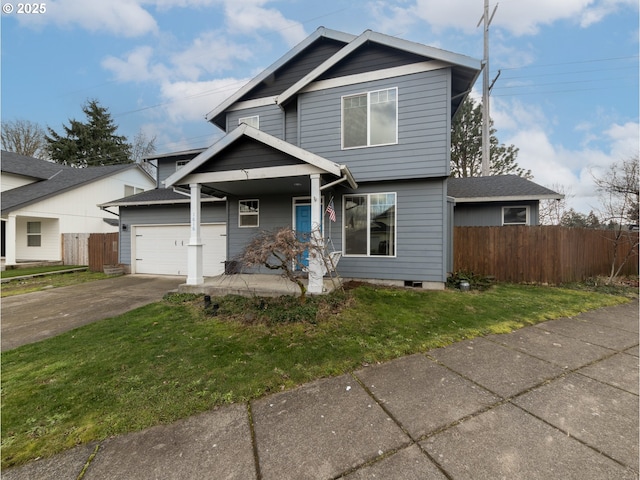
pixel 34 234
pixel 248 213
pixel 370 119
pixel 370 224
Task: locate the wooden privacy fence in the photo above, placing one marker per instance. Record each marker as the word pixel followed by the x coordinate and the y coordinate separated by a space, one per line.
pixel 75 248
pixel 103 250
pixel 542 254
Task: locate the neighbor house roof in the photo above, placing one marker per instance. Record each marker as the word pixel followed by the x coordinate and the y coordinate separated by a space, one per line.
pixel 61 179
pixel 466 69
pixel 498 188
pixel 22 165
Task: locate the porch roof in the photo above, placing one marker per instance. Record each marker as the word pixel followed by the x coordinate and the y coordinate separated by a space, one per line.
pixel 243 179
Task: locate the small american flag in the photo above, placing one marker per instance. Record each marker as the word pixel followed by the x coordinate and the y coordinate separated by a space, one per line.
pixel 331 211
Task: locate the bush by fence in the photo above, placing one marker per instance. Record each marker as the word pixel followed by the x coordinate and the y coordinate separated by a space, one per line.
pixel 542 254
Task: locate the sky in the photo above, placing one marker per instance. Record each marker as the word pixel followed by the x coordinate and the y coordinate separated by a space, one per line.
pixel 566 95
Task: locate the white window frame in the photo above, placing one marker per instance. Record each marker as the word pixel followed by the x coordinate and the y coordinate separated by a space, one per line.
pixel 395 225
pixel 527 214
pixel 34 235
pixel 368 94
pixel 132 190
pixel 181 163
pixel 252 121
pixel 255 213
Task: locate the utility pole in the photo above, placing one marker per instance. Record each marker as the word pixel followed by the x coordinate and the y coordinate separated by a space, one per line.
pixel 485 91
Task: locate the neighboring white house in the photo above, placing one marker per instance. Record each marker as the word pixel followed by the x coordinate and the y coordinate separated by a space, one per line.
pixel 42 200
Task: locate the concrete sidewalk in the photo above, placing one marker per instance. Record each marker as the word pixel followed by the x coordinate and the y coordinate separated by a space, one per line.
pixel 557 400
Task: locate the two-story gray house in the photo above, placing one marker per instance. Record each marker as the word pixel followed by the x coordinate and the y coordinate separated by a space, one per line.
pixel 358 123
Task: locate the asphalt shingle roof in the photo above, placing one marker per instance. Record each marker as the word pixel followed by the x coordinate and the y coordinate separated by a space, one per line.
pixel 17 164
pixel 496 187
pixel 56 180
pixel 156 196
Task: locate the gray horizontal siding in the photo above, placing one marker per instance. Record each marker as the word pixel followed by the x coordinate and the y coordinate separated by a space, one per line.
pixel 423 128
pixel 489 214
pixel 163 215
pixel 271 119
pixel 420 244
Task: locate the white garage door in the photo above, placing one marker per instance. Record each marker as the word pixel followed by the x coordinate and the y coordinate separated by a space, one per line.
pixel 162 249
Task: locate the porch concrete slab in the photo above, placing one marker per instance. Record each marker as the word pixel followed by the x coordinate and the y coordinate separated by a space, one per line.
pixel 620 370
pixel 594 333
pixel 65 465
pixel 499 369
pixel 253 285
pixel 624 317
pixel 602 416
pixel 213 445
pixel 407 464
pixel 321 430
pixel 565 352
pixel 635 351
pixel 423 396
pixel 509 443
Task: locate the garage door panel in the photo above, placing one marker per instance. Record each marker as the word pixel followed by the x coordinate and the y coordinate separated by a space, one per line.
pixel 162 249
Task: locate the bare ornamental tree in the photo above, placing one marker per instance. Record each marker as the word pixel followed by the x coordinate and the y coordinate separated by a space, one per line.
pixel 619 194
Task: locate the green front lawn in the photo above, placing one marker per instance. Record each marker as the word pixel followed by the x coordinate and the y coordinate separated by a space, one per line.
pixel 170 360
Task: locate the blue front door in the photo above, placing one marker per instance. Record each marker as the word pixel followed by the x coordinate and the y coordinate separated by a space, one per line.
pixel 303 225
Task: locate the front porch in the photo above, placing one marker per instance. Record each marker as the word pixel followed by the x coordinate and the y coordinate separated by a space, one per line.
pixel 249 285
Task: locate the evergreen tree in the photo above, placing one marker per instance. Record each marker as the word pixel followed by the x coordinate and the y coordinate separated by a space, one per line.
pixel 466 146
pixel 91 143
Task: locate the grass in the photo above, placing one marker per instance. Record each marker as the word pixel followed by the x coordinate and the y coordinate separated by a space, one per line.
pixel 28 285
pixel 17 272
pixel 171 359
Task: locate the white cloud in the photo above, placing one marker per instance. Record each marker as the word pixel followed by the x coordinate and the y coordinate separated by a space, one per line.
pixel 250 16
pixel 210 52
pixel 522 17
pixel 191 101
pixel 136 66
pixel 120 17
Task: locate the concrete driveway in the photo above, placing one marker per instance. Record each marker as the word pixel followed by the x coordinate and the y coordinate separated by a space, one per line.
pixel 35 316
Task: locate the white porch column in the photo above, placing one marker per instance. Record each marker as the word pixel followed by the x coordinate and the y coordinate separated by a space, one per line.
pixel 10 241
pixel 316 283
pixel 194 249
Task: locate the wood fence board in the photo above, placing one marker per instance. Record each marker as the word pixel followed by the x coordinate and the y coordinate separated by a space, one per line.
pixel 541 254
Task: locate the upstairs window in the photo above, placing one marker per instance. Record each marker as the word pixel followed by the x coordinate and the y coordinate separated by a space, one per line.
pixel 181 163
pixel 248 213
pixel 515 215
pixel 370 119
pixel 253 121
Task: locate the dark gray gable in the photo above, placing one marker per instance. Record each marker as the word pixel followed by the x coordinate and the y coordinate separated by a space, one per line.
pixel 247 154
pixel 371 57
pixel 295 69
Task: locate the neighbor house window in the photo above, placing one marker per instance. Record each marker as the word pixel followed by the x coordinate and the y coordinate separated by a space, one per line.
pixel 253 121
pixel 34 231
pixel 180 164
pixel 130 190
pixel 370 224
pixel 515 215
pixel 370 119
pixel 249 213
